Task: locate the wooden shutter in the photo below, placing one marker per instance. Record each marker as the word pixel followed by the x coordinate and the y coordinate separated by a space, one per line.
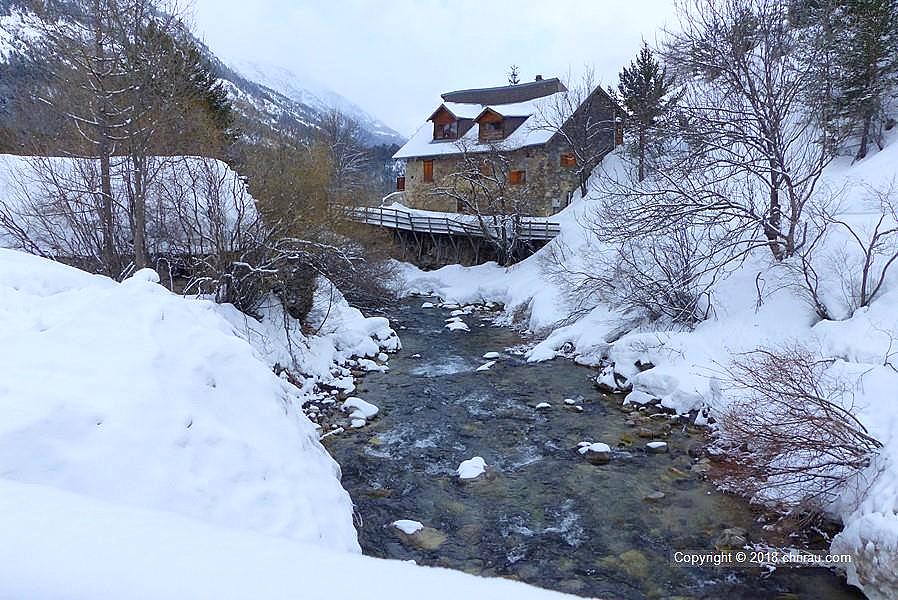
pixel 517 177
pixel 428 171
pixel 568 160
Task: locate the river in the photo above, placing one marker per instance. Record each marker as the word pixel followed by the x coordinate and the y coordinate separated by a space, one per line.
pixel 542 513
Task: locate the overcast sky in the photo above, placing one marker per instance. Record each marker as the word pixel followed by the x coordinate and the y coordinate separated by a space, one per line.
pixel 394 57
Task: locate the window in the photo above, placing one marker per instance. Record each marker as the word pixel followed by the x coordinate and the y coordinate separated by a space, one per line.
pixel 446 131
pixel 517 177
pixel 568 160
pixel 428 171
pixel 492 130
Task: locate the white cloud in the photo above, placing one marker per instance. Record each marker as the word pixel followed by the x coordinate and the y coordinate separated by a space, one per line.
pixel 395 58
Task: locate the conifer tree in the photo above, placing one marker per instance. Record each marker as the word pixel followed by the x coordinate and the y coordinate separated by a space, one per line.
pixel 645 91
pixel 868 60
pixel 513 76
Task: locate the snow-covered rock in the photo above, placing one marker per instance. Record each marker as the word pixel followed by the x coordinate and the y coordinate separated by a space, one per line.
pixel 639 397
pixel 457 326
pixel 359 409
pixel 408 526
pixel 492 355
pixel 471 468
pixel 543 406
pixel 595 452
pixel 486 366
pixel 656 447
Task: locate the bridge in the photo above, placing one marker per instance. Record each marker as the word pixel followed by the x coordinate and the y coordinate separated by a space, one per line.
pixel 432 238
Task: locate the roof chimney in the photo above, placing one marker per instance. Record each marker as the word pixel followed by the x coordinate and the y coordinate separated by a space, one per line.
pixel 538 78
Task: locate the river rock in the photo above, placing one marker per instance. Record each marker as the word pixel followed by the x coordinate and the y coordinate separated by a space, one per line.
pixel 656 447
pixel 696 450
pixel 730 538
pixel 596 453
pixel 654 496
pixel 408 526
pixel 492 355
pixel 358 409
pixel 543 406
pixel 702 467
pixel 424 538
pixel 457 326
pixel 427 305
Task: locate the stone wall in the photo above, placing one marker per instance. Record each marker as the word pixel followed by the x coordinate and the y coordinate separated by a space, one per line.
pixel 547 189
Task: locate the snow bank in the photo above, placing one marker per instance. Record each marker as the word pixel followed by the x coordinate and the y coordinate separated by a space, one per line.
pixel 61 545
pixel 129 394
pixel 339 332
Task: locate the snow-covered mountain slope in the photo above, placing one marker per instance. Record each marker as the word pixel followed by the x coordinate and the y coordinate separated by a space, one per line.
pixel 267 97
pixel 305 91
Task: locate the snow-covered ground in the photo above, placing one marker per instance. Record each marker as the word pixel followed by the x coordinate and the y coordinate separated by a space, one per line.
pixel 147 450
pixel 688 362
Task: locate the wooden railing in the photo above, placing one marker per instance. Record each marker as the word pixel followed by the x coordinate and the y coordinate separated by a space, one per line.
pixel 531 228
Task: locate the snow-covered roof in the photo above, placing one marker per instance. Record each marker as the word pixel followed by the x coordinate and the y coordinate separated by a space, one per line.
pixel 529 133
pixel 463 111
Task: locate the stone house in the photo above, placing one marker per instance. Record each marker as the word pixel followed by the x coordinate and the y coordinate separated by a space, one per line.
pixel 510 121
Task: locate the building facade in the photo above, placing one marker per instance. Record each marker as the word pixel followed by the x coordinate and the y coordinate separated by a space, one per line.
pixel 519 139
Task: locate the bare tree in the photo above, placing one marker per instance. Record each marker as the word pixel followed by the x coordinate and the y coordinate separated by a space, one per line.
pixel 341 136
pixel 485 184
pixel 850 251
pixel 585 119
pixel 741 112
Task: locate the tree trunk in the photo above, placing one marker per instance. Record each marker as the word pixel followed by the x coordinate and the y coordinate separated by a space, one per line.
pixel 107 215
pixel 141 259
pixel 774 222
pixel 865 134
pixel 641 154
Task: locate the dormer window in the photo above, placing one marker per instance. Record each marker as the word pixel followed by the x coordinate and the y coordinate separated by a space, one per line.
pixel 492 131
pixel 445 131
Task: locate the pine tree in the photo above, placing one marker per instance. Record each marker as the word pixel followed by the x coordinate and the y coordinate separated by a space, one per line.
pixel 513 76
pixel 644 90
pixel 868 60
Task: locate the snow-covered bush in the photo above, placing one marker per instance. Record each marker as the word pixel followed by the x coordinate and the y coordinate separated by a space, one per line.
pixel 790 427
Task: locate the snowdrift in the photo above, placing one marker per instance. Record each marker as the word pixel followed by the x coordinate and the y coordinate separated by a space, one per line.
pixel 130 394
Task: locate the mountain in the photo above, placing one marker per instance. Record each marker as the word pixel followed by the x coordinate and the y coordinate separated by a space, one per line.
pixel 305 91
pixel 269 100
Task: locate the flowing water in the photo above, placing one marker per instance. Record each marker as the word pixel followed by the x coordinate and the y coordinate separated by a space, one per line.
pixel 542 514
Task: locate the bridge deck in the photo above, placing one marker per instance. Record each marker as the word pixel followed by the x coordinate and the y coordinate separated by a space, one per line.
pixel 406 219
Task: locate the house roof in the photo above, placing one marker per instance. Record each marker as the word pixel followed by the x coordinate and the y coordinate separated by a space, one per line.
pixel 529 133
pixel 508 94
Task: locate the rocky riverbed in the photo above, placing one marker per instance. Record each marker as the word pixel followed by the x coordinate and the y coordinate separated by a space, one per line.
pixel 572 491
